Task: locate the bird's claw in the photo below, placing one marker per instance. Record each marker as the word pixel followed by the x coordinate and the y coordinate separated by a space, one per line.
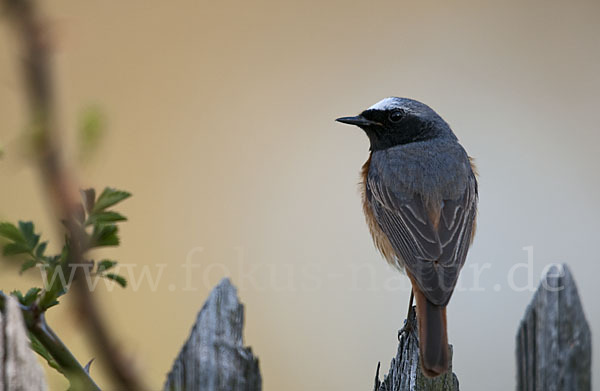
pixel 407 328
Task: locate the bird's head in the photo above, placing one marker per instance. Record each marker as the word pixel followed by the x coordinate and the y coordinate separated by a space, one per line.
pixel 396 121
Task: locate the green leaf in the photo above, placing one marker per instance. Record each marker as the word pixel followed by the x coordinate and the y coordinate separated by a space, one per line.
pixel 105 217
pixel 27 229
pixel 15 248
pixel 24 238
pixel 51 304
pixel 39 252
pixel 116 278
pixel 9 231
pixel 108 198
pixel 28 265
pixel 31 296
pixel 105 235
pixel 64 254
pixel 53 260
pixel 17 293
pixel 105 264
pixel 49 298
pixel 40 349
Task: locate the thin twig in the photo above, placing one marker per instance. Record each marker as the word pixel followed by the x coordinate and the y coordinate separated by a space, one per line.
pixel 58 179
pixel 79 377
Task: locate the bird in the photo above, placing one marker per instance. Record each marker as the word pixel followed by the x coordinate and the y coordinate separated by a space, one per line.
pixel 419 197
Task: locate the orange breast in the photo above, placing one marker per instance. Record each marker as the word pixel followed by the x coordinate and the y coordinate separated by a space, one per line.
pixel 379 238
pixel 476 173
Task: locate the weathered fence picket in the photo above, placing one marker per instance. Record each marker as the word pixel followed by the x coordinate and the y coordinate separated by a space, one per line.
pixel 554 343
pixel 405 372
pixel 214 358
pixel 553 348
pixel 19 367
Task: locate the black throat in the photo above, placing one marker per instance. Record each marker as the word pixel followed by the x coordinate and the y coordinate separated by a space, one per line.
pixel 381 137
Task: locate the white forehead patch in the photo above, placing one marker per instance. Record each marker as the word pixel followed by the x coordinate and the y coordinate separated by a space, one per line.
pixel 385 104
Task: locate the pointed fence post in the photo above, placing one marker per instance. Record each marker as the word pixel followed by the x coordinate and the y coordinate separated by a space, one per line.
pixel 19 367
pixel 554 343
pixel 214 358
pixel 405 371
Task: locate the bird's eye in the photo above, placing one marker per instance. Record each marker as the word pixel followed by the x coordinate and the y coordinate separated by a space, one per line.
pixel 396 116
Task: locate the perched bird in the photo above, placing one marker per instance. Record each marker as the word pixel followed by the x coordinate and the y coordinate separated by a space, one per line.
pixel 419 193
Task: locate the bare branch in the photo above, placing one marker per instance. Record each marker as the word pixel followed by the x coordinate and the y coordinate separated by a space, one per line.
pixel 58 179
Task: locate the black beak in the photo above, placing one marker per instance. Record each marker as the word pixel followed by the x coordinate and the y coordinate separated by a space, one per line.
pixel 359 120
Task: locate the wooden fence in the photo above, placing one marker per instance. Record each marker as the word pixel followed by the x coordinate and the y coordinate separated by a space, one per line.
pixel 554 342
pixel 553 348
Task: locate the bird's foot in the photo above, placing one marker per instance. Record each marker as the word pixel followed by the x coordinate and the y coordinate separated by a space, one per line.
pixel 406 329
pixel 408 324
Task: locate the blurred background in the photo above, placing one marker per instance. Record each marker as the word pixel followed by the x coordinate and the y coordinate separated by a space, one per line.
pixel 220 120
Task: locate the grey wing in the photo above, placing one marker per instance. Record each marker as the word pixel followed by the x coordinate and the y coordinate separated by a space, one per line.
pixel 432 243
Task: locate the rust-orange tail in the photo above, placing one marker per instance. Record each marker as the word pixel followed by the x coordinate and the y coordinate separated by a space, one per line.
pixel 433 337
